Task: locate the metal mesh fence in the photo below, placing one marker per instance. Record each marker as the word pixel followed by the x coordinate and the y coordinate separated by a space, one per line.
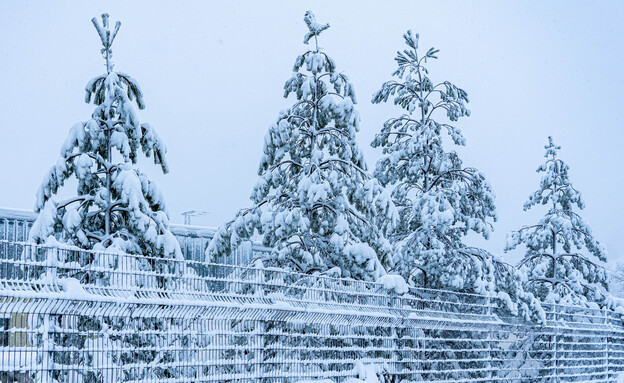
pixel 69 315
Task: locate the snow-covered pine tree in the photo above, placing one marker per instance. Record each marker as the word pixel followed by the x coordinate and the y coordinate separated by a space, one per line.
pixel 439 202
pixel 438 199
pixel 556 274
pixel 116 209
pixel 116 205
pixel 314 204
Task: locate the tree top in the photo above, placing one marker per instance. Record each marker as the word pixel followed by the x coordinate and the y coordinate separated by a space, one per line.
pixel 551 148
pixel 315 27
pixel 107 37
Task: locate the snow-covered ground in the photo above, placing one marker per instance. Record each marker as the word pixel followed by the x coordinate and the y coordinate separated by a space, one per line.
pixel 364 373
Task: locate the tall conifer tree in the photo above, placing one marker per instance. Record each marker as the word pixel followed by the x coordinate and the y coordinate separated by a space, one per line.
pixel 438 199
pixel 116 205
pixel 116 208
pixel 315 203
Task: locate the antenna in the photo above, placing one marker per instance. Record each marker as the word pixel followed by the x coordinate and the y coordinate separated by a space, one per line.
pixel 192 213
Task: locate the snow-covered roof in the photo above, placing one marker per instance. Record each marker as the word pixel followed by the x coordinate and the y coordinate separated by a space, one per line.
pixel 21 214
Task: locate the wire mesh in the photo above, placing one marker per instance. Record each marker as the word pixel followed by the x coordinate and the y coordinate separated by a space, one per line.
pixel 70 315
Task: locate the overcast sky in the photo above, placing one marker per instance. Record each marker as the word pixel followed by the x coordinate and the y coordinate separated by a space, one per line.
pixel 213 75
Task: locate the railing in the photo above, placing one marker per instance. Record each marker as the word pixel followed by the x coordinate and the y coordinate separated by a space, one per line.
pixel 69 315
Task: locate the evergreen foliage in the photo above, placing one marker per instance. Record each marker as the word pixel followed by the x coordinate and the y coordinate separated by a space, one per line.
pixel 557 274
pixel 439 200
pixel 116 209
pixel 116 205
pixel 315 203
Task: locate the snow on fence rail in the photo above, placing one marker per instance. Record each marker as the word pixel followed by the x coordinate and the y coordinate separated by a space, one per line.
pixel 70 315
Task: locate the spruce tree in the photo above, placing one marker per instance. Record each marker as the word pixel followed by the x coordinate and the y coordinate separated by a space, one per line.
pixel 315 204
pixel 556 273
pixel 439 200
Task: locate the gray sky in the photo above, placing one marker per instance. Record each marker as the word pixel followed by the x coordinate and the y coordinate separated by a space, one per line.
pixel 213 72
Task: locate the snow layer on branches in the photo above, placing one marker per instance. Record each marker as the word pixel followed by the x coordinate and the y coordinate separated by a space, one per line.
pixel 116 208
pixel 315 204
pixel 116 205
pixel 439 200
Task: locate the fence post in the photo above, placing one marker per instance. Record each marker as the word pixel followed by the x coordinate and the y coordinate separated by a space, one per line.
pixel 489 338
pixel 556 324
pixel 606 338
pixel 47 349
pixel 259 344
